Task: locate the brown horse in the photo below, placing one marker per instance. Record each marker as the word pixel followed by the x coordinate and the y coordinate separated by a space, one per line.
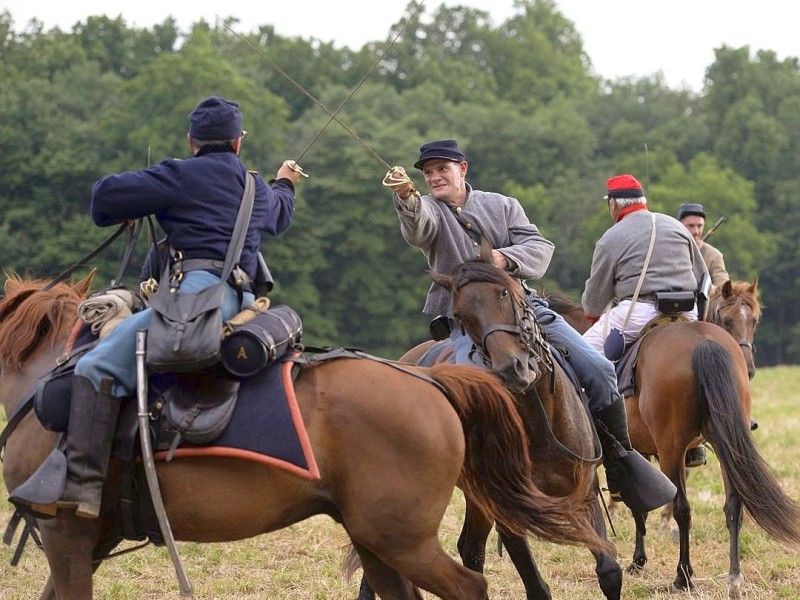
pixel 735 307
pixel 563 446
pixel 692 383
pixel 389 442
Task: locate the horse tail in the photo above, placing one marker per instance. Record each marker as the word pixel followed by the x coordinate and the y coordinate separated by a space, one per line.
pixel 496 475
pixel 750 477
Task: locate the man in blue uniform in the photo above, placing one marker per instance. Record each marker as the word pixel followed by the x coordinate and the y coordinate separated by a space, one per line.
pixel 196 202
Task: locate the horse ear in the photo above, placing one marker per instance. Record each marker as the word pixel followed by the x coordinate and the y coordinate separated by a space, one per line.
pixel 754 287
pixel 446 281
pixel 85 284
pixel 13 284
pixel 727 289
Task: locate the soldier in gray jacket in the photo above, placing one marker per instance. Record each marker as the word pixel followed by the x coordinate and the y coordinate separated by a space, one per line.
pixel 443 225
pixel 674 265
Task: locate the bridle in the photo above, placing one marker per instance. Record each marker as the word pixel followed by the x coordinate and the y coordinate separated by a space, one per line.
pixel 715 316
pixel 525 326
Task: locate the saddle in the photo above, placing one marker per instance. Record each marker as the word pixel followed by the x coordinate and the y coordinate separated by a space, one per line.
pixel 626 365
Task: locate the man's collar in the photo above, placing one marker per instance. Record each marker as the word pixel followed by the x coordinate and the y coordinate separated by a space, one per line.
pixel 628 210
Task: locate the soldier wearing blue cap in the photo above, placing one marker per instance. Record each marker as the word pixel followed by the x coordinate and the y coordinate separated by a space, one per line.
pixel 196 202
pixel 693 217
pixel 447 224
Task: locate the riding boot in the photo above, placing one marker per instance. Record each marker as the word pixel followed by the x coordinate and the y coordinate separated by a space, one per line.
pixel 630 476
pixel 92 421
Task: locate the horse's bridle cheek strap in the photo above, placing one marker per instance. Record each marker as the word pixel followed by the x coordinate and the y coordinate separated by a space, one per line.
pixel 515 329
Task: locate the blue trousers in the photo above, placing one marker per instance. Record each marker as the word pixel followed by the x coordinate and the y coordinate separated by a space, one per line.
pixel 595 372
pixel 114 356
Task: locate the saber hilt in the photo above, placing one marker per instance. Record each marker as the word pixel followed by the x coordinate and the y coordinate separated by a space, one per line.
pixel 396 178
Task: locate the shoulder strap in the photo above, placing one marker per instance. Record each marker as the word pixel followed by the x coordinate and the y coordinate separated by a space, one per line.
pixel 241 227
pixel 644 270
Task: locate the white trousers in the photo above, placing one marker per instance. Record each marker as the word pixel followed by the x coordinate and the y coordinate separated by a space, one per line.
pixel 643 312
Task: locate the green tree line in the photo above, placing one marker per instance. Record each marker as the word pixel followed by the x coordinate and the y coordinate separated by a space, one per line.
pixel 520 97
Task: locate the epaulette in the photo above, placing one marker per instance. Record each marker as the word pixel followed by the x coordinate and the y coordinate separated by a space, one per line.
pixel 252 171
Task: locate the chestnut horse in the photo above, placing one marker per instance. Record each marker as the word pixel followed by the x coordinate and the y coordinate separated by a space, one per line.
pixel 562 442
pixel 390 443
pixel 693 383
pixel 735 306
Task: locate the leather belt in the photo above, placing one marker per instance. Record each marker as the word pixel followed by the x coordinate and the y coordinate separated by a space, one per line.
pixel 215 267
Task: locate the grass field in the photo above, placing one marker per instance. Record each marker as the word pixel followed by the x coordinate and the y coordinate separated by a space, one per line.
pixel 304 561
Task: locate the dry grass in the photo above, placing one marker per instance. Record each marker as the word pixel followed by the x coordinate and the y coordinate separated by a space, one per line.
pixel 304 561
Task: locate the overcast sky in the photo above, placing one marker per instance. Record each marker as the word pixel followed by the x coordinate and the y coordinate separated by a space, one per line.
pixel 622 37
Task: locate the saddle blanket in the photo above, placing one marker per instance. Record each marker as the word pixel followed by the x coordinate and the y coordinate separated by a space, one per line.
pixel 266 426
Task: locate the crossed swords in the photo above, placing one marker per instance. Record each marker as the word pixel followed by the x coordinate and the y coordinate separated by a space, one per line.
pixel 394 177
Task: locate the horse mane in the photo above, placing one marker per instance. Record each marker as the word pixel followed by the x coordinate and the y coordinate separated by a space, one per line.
pixel 478 269
pixel 31 316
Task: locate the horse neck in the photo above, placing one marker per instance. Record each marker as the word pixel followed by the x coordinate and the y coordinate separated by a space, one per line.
pixel 16 384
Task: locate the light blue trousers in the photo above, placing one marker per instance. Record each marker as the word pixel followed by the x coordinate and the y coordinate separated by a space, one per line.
pixel 595 372
pixel 114 356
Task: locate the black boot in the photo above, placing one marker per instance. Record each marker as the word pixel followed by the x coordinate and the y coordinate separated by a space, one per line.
pixel 630 476
pixel 92 421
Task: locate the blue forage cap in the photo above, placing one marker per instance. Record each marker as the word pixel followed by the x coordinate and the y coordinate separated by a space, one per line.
pixel 446 149
pixel 215 118
pixel 691 209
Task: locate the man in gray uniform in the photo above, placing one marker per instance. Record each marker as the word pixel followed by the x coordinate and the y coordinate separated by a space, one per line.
pixel 440 224
pixel 673 261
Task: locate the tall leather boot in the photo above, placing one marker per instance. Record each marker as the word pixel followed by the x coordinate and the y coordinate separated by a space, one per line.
pixel 92 421
pixel 630 476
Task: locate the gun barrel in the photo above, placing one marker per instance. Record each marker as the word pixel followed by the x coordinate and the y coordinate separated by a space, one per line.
pixel 716 225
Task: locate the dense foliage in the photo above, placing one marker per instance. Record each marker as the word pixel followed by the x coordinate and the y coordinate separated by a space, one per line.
pixel 520 98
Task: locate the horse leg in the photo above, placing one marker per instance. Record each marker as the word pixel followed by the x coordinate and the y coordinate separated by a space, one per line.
pixel 49 592
pixel 683 516
pixel 609 573
pixel 519 551
pixel 733 519
pixel 639 552
pixel 69 543
pixel 472 540
pixel 380 578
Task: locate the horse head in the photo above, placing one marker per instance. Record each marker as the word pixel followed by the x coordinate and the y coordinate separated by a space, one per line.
pixel 490 307
pixel 735 307
pixel 36 314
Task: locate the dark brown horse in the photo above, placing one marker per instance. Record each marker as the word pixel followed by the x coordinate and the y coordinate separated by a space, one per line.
pixel 692 383
pixel 390 447
pixel 564 450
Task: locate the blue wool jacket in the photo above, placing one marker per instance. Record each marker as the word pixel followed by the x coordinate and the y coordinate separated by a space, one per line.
pixel 196 201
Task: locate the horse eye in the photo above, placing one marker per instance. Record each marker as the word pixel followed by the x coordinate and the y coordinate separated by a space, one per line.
pixel 504 294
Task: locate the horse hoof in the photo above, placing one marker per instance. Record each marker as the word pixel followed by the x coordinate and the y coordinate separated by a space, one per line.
pixel 735 583
pixel 681 584
pixel 634 569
